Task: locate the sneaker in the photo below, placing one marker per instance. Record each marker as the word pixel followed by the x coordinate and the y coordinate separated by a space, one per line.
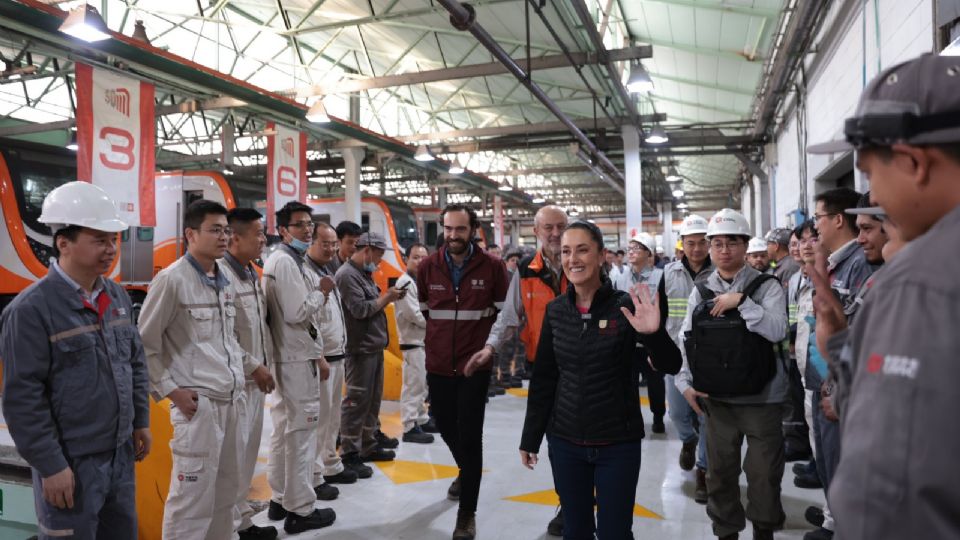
pixel 762 534
pixel 276 512
pixel 326 492
pixel 430 426
pixel 453 492
pixel 319 518
pixel 417 435
pixel 658 426
pixel 379 454
pixel 688 455
pixel 466 528
pixel 258 533
pixel 346 476
pixel 819 534
pixel 385 441
pixel 807 481
pixel 814 516
pixel 353 462
pixel 700 492
pixel 555 526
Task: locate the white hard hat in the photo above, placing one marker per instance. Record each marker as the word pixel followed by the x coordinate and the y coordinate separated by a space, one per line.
pixel 82 204
pixel 693 224
pixel 728 222
pixel 645 240
pixel 757 245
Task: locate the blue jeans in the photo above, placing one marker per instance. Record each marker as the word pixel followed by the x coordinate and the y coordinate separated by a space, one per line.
pixel 827 440
pixel 682 415
pixel 610 472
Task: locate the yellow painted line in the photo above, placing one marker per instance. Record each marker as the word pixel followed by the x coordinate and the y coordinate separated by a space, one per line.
pixel 519 392
pixel 644 400
pixel 259 488
pixel 408 472
pixel 391 424
pixel 548 497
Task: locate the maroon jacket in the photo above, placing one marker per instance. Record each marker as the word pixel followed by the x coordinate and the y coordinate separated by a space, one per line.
pixel 459 320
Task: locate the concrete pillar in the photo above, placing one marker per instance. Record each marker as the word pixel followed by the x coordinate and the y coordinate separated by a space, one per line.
pixel 515 229
pixel 498 220
pixel 668 240
pixel 352 158
pixel 442 198
pixel 634 178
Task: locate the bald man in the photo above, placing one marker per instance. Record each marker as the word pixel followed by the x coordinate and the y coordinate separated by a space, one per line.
pixel 538 280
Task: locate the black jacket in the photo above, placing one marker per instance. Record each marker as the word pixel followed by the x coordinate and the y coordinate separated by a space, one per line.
pixel 583 388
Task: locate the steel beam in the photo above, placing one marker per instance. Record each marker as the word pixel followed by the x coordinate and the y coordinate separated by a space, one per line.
pixel 463 72
pixel 526 129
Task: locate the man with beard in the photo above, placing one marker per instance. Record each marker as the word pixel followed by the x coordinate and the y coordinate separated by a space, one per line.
pixel 460 290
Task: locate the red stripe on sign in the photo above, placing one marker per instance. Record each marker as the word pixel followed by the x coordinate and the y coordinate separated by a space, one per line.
pixel 271 163
pixel 84 75
pixel 148 126
pixel 303 167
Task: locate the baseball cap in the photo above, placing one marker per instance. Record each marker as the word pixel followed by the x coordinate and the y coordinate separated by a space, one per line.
pixel 372 239
pixel 779 236
pixel 915 102
pixel 866 208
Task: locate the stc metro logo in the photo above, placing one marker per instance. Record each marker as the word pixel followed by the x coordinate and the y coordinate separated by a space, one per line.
pixel 119 99
pixel 287 145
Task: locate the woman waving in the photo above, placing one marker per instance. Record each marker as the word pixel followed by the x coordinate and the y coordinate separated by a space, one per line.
pixel 582 393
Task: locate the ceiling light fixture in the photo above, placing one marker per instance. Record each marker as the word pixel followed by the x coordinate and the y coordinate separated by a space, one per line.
pixel 455 167
pixel 682 205
pixel 423 154
pixel 140 32
pixel 538 200
pixel 639 80
pixel 505 186
pixel 673 175
pixel 84 22
pixel 72 143
pixel 678 193
pixel 318 113
pixel 657 135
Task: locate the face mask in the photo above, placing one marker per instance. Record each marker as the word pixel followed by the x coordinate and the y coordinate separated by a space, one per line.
pixel 299 245
pixel 369 267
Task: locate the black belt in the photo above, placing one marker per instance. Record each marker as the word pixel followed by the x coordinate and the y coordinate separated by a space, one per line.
pixel 410 347
pixel 335 357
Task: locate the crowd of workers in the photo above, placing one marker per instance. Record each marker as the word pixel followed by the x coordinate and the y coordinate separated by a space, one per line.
pixel 826 345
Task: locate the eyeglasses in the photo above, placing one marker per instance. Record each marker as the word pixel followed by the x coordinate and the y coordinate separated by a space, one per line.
pixel 305 224
pixel 218 231
pixel 634 249
pixel 817 217
pixel 725 246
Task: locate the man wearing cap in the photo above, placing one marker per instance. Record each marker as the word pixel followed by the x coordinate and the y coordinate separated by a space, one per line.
pixel 679 279
pixel 641 270
pixel 757 256
pixel 75 394
pixel 778 250
pixel 367 337
pixel 903 343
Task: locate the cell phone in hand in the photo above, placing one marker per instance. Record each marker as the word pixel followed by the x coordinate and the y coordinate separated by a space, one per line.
pixel 405 285
pixel 391 282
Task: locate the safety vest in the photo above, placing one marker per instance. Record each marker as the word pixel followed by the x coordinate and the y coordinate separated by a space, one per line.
pixel 537 289
pixel 678 285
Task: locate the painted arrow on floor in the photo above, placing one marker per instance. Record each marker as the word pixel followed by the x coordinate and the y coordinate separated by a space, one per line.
pixel 548 497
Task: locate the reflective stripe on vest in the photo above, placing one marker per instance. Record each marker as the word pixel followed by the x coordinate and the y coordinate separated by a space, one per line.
pixel 677 307
pixel 461 315
pixel 792 314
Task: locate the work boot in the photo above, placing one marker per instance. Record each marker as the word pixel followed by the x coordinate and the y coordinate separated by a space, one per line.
pixel 762 534
pixel 379 454
pixel 466 527
pixel 318 519
pixel 555 526
pixel 688 455
pixel 346 476
pixel 326 492
pixel 430 426
pixel 809 467
pixel 731 536
pixel 658 426
pixel 814 516
pixel 353 462
pixel 417 435
pixel 700 493
pixel 258 533
pixel 276 512
pixel 795 455
pixel 453 492
pixel 807 481
pixel 819 534
pixel 385 441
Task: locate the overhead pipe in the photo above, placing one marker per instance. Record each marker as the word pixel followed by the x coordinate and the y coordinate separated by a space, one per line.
pixel 590 26
pixel 463 17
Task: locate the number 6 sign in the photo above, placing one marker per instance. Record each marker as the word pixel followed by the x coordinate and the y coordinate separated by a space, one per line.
pixel 286 170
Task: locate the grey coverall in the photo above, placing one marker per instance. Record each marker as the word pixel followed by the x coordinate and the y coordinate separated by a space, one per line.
pixel 75 388
pixel 898 371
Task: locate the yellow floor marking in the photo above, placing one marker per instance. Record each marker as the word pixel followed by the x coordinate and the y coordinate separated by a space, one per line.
pixel 391 425
pixel 519 392
pixel 644 400
pixel 259 488
pixel 548 497
pixel 407 472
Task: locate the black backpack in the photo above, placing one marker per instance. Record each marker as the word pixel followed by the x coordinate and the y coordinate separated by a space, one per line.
pixel 725 358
